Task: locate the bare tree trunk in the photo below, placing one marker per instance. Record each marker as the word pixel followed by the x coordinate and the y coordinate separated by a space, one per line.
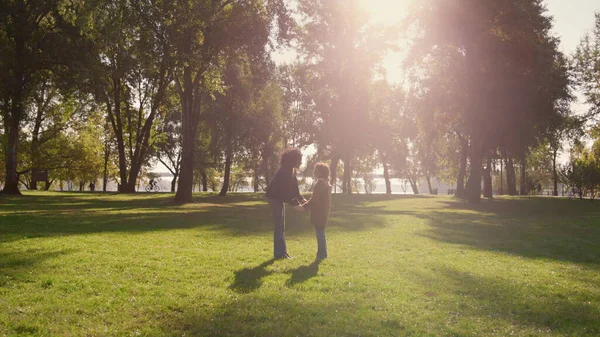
pixel 523 187
pixel 11 185
pixel 347 175
pixel 554 172
pixel 48 184
pixel 190 110
pixel 227 175
pixel 428 179
pixel 333 171
pixel 413 185
pixel 511 180
pixel 265 165
pixel 501 177
pixel 106 157
pixel 32 185
pixel 173 183
pixel 386 174
pixel 204 180
pixel 487 180
pixel 255 179
pixel 462 168
pixel 473 188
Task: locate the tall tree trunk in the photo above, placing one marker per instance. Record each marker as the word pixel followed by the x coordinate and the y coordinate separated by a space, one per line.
pixel 11 185
pixel 333 171
pixel 204 178
pixel 428 179
pixel 413 185
pixel 174 183
pixel 523 188
pixel 114 115
pixel 81 186
pixel 35 144
pixel 511 180
pixel 186 177
pixel 347 175
pixel 255 179
pixel 47 185
pixel 462 168
pixel 487 180
pixel 189 127
pixel 33 184
pixel 106 157
pixel 132 181
pixel 473 188
pixel 501 177
pixel 227 175
pixel 386 174
pixel 554 172
pixel 265 165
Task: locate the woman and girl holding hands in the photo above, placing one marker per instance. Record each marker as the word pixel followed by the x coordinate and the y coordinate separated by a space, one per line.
pixel 283 189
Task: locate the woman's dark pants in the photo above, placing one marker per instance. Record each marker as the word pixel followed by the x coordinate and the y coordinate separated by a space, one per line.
pixel 278 212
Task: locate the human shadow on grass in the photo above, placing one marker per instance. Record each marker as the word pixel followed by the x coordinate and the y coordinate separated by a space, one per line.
pixel 249 279
pixel 543 230
pixel 288 314
pixel 304 273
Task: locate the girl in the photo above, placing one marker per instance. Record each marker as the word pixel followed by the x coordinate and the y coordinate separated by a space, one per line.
pixel 319 206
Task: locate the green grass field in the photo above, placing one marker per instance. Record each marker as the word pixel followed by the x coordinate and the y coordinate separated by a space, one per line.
pixel 121 265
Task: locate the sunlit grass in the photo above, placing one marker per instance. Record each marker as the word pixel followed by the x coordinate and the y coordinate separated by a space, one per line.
pixel 120 265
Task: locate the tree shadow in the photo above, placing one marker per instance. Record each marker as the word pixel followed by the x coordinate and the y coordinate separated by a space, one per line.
pixel 550 229
pixel 570 312
pixel 16 264
pixel 304 273
pixel 250 279
pixel 60 214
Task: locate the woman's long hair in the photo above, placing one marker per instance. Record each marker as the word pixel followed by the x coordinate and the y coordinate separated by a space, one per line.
pixel 291 158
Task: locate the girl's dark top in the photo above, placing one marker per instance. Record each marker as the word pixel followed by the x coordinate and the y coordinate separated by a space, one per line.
pixel 284 187
pixel 319 204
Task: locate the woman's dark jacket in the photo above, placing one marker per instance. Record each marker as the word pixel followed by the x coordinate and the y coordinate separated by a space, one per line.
pixel 284 187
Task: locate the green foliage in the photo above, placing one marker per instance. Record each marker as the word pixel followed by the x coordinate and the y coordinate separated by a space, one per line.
pixel 586 68
pixel 497 78
pixel 40 41
pixel 582 173
pixel 343 51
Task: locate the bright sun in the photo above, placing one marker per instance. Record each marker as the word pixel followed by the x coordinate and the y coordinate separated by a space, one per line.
pixel 389 12
pixel 386 11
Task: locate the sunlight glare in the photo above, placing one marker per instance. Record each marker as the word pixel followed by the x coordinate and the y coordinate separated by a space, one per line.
pixel 386 12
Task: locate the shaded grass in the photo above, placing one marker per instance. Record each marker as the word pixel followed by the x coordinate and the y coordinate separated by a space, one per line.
pixel 118 265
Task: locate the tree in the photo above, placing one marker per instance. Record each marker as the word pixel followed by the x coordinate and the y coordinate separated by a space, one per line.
pixel 341 52
pixel 300 124
pixel 390 127
pixel 582 173
pixel 168 142
pixel 511 71
pixel 37 39
pixel 264 132
pixel 586 68
pixel 131 80
pixel 199 33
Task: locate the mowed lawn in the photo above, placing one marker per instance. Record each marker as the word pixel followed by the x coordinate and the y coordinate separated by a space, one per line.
pixel 83 264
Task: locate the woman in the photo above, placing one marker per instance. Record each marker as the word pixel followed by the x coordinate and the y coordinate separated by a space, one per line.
pixel 284 190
